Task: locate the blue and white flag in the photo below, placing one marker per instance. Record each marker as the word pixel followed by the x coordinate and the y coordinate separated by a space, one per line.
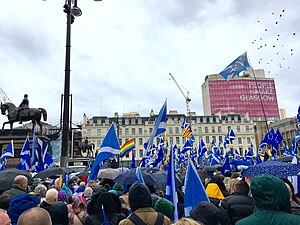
pixel 295 179
pixel 171 190
pixel 277 140
pixel 231 136
pixel 48 161
pixel 160 152
pixel 258 159
pixel 216 158
pixel 159 126
pixel 138 175
pixel 184 124
pixel 226 163
pixel 186 147
pixel 24 163
pixel 194 191
pixel 42 151
pixel 35 154
pixel 192 139
pixel 298 115
pixel 109 148
pixel 8 152
pixel 201 152
pixel 236 154
pixel 238 65
pixel 105 220
pixel 132 165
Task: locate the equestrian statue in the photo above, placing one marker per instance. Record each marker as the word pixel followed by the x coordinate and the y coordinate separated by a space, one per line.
pixel 86 149
pixel 23 113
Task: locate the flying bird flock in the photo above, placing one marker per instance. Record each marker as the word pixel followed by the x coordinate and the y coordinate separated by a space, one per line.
pixel 272 43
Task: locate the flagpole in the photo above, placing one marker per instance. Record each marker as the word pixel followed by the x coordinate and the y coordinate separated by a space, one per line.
pixel 260 99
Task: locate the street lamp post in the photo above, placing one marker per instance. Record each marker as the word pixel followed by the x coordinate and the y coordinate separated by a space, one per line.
pixel 71 12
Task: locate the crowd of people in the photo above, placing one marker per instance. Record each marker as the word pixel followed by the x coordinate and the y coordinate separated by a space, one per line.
pixel 233 200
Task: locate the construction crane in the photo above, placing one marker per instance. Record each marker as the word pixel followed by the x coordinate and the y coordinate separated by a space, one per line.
pixel 186 96
pixel 4 98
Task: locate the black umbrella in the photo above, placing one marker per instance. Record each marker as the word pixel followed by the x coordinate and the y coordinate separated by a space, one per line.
pixel 51 172
pixel 161 180
pixel 129 178
pixel 7 177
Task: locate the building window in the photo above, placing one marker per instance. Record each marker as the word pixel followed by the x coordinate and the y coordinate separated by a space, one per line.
pixel 229 119
pixel 211 119
pixel 176 130
pixel 98 132
pixel 175 120
pixel 98 143
pixel 240 141
pixel 248 140
pixel 133 131
pixel 140 131
pixel 126 122
pixel 219 129
pixel 198 120
pixel 247 129
pixel 214 138
pixel 127 156
pixel 177 141
pixel 140 141
pixel 140 121
pixel 199 130
pixel 126 131
pixel 141 153
pixel 133 121
pixel 217 120
pixel 183 139
pixel 206 129
pixel 204 120
pixel 99 121
pixel 228 128
pixel 171 140
pixel 150 130
pixel 170 130
pixel 238 129
pixel 120 132
pixel 220 139
pixel 213 129
pixel 88 132
pixel 106 121
pixel 133 152
pixel 207 139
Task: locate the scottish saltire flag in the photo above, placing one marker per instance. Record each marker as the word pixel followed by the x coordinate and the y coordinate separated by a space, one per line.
pixel 192 139
pixel 138 175
pixel 186 147
pixel 42 151
pixel 160 124
pixel 109 148
pixel 226 163
pixel 201 152
pixel 105 220
pixel 295 179
pixel 160 153
pixel 35 154
pixel 132 165
pixel 297 137
pixel 286 151
pixel 48 162
pixel 25 157
pixel 258 159
pixel 226 141
pixel 216 158
pixel 231 136
pixel 194 191
pixel 294 146
pixel 184 124
pixel 8 152
pixel 127 147
pixel 241 163
pixel 298 115
pixel 171 190
pixel 238 65
pixel 236 154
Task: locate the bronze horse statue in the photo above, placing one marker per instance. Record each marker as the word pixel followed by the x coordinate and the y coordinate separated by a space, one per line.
pixel 33 114
pixel 85 148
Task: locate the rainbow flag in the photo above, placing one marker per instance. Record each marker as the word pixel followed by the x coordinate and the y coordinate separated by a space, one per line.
pixel 127 147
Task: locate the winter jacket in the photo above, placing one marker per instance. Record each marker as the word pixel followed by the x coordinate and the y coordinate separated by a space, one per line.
pixel 224 218
pixel 14 191
pixel 97 219
pixel 238 206
pixel 58 212
pixel 206 213
pixel 148 215
pixel 271 201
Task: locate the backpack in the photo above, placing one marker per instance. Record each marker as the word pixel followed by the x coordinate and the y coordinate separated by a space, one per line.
pixel 137 220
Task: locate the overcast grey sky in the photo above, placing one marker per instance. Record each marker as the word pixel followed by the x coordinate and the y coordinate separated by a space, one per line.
pixel 123 50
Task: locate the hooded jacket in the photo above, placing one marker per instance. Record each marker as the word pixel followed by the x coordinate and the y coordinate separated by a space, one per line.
pixel 140 202
pixel 271 201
